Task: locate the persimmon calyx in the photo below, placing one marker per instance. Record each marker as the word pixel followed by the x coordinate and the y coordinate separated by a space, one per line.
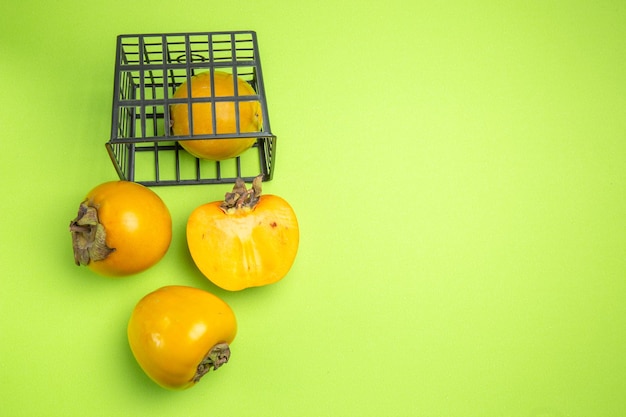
pixel 88 236
pixel 216 357
pixel 241 197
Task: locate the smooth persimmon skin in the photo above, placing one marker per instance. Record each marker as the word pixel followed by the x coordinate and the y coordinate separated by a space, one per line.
pixel 138 226
pixel 245 248
pixel 171 329
pixel 250 116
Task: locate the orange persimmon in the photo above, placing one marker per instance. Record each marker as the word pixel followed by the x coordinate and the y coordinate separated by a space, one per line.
pixel 178 333
pixel 221 84
pixel 247 240
pixel 122 228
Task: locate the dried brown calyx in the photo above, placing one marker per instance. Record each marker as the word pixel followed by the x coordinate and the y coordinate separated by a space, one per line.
pixel 241 197
pixel 88 236
pixel 216 357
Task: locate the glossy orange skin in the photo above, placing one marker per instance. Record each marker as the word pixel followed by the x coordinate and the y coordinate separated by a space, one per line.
pixel 246 247
pixel 250 116
pixel 138 226
pixel 172 329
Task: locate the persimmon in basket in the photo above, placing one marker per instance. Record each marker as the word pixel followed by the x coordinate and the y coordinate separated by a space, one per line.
pixel 223 85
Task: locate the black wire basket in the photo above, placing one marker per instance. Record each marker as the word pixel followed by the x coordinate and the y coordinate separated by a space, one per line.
pixel 148 70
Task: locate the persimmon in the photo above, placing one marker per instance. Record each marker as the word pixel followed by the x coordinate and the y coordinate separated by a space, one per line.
pixel 178 334
pixel 250 118
pixel 247 240
pixel 122 228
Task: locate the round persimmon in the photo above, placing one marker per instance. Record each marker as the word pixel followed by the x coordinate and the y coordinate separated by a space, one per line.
pixel 178 334
pixel 247 240
pixel 248 119
pixel 122 228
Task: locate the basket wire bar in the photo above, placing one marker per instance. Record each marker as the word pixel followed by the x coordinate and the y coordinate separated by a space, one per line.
pixel 148 70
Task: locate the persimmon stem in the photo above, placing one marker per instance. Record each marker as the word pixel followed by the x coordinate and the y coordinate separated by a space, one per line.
pixel 88 236
pixel 216 357
pixel 241 197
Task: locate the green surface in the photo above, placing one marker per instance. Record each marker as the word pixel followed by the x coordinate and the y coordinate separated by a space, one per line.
pixel 463 233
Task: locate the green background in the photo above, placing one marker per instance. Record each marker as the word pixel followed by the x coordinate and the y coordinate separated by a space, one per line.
pixel 459 174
